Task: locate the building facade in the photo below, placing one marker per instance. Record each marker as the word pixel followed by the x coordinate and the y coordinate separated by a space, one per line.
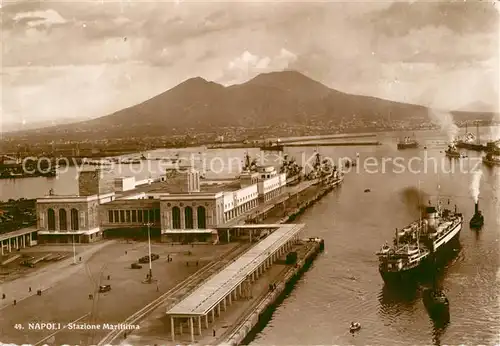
pixel 177 209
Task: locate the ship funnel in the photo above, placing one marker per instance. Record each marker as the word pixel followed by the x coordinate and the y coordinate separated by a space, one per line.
pixel 476 210
pixel 430 216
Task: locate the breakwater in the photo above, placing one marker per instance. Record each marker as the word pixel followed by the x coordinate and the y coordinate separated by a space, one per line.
pixel 246 330
pixel 332 144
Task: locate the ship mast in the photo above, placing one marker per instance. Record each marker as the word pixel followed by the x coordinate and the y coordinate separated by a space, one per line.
pixel 419 217
pixel 477 131
pixel 438 194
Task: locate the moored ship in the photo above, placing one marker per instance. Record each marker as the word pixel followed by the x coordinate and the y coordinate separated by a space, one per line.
pixel 492 157
pixel 414 244
pixel 292 170
pixel 324 172
pixel 470 142
pixel 452 151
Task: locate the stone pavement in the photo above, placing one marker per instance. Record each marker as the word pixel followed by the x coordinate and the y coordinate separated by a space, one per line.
pixel 68 299
pixel 48 276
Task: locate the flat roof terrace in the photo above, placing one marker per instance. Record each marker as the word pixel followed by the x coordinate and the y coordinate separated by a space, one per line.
pixel 214 291
pixel 170 188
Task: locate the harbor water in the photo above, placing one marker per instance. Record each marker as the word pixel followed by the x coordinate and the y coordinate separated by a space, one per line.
pixel 343 284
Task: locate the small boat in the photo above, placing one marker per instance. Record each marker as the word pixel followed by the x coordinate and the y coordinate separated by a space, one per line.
pixel 355 326
pixel 477 220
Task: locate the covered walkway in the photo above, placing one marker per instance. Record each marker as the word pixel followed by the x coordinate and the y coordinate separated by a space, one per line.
pixel 17 240
pixel 202 306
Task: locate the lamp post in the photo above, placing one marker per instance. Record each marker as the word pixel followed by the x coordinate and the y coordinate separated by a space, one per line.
pixel 150 277
pixel 74 250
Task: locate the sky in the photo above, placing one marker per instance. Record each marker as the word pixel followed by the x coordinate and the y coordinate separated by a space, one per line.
pixel 78 60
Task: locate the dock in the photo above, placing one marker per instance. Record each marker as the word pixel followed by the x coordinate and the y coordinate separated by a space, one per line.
pixel 214 296
pixel 240 298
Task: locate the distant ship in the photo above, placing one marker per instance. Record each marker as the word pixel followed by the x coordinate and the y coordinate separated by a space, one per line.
pixel 414 244
pixel 452 151
pixel 407 143
pixel 470 142
pixel 272 146
pixel 492 157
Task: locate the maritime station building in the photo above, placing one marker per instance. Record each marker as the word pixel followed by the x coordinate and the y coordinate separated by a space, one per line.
pixel 178 208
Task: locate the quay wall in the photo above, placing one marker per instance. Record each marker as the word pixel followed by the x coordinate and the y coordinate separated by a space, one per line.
pixel 260 315
pixel 302 206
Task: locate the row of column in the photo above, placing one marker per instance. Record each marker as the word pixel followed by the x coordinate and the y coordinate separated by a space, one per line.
pixel 243 290
pixel 272 194
pixel 235 212
pixel 17 242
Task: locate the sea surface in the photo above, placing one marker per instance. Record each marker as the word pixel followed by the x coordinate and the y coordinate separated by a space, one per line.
pixel 343 284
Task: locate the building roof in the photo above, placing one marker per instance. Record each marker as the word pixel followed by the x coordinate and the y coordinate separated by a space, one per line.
pixel 17 233
pixel 170 188
pixel 213 291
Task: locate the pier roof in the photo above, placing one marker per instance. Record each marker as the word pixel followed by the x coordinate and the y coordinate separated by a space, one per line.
pixel 212 292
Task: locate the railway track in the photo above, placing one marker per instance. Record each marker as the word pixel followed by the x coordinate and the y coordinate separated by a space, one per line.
pixel 180 290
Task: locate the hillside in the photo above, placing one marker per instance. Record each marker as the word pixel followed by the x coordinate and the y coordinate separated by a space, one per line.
pixel 270 99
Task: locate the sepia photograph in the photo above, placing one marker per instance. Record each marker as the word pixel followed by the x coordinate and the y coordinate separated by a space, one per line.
pixel 241 172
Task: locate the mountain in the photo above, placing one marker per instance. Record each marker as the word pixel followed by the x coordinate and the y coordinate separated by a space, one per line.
pixel 270 99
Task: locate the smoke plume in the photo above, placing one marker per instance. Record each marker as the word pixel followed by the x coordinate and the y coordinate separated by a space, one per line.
pixel 475 184
pixel 414 200
pixel 445 121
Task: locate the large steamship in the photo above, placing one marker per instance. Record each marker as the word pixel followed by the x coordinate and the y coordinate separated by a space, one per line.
pixel 414 244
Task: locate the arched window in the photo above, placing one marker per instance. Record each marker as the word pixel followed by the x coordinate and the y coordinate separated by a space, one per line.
pixel 188 218
pixel 63 220
pixel 74 220
pixel 176 218
pixel 51 219
pixel 202 218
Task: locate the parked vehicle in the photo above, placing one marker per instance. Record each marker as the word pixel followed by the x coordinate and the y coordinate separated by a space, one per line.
pixel 104 288
pixel 145 259
pixel 135 266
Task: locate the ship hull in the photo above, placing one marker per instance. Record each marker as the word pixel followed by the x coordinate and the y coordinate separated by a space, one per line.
pixel 437 310
pixel 407 146
pixel 272 148
pixel 453 155
pixel 470 146
pixel 443 251
pixel 491 162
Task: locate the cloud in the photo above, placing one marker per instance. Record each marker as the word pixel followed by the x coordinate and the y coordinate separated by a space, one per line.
pixel 248 65
pixel 390 50
pixel 45 18
pixel 462 17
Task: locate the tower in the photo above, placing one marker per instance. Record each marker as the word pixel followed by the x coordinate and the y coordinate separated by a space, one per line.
pixel 90 183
